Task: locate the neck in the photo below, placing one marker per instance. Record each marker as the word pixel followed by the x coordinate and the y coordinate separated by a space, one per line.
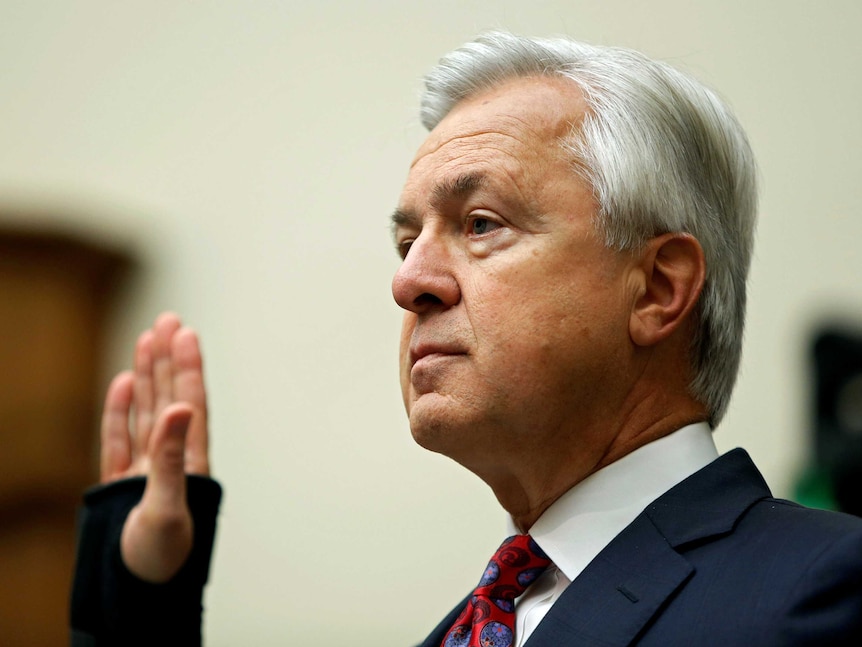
pixel 542 476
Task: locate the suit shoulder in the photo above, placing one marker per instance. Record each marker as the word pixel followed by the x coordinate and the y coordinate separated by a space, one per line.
pixel 780 515
pixel 784 575
pixel 807 547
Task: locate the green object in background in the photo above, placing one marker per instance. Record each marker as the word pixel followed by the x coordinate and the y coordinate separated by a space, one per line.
pixel 815 490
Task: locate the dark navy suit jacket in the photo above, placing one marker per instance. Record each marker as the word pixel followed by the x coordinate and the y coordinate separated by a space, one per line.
pixel 714 561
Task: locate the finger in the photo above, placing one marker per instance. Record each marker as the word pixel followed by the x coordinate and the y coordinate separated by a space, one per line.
pixel 188 386
pixel 116 449
pixel 158 534
pixel 166 325
pixel 143 393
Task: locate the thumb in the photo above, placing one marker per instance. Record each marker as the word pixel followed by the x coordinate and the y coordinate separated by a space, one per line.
pixel 158 533
pixel 166 482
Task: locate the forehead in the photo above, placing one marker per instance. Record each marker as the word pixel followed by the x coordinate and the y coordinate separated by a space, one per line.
pixel 534 111
pixel 512 129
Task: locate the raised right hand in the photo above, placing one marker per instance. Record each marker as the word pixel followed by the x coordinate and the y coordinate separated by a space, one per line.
pixel 155 425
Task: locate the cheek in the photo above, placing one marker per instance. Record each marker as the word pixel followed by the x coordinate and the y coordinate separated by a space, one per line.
pixel 550 324
pixel 407 326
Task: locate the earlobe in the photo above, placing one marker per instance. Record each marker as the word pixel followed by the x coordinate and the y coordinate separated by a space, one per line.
pixel 673 271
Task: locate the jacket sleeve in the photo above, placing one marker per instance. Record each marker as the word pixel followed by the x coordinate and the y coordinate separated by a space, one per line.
pixel 109 605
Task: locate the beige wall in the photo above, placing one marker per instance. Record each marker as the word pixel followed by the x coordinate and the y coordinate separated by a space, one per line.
pixel 250 153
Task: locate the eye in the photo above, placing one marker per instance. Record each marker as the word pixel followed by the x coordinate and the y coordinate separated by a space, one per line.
pixel 403 248
pixel 480 225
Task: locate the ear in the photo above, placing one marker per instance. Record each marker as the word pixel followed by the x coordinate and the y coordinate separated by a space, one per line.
pixel 673 271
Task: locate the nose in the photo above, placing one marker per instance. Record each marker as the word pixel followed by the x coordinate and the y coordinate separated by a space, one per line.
pixel 425 280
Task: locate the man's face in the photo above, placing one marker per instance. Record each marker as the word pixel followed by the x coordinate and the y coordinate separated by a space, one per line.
pixel 516 324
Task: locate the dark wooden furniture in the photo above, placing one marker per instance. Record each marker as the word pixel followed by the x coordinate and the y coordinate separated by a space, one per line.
pixel 54 300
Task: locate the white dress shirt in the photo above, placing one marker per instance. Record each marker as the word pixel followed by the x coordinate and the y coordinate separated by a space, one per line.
pixel 585 519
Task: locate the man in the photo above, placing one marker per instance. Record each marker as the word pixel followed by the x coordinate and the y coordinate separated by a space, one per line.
pixel 576 233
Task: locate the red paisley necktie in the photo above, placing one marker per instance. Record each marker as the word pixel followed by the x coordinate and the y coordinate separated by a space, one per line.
pixel 489 618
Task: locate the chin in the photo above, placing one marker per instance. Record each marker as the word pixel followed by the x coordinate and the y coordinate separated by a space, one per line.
pixel 429 434
pixel 440 425
pixel 432 424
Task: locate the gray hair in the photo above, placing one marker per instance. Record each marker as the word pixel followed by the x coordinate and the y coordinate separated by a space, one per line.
pixel 662 153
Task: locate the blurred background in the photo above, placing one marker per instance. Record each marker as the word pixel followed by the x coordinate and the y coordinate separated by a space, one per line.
pixel 237 162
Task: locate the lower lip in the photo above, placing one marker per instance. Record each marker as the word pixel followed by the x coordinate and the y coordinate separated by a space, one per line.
pixel 428 370
pixel 433 358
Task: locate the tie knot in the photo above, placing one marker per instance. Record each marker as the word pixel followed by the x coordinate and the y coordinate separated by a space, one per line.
pixel 516 564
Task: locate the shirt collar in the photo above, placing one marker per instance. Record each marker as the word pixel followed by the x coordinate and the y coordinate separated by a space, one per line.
pixel 578 525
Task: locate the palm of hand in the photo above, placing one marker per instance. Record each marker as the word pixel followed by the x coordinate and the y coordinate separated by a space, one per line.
pixel 155 425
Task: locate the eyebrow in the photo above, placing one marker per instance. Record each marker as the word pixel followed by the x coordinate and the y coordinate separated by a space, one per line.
pixel 452 188
pixel 458 187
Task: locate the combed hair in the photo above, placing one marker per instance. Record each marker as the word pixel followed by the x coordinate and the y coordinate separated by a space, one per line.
pixel 662 153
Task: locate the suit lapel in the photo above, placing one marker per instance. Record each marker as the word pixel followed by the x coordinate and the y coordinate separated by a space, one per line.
pixel 709 502
pixel 615 597
pixel 617 594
